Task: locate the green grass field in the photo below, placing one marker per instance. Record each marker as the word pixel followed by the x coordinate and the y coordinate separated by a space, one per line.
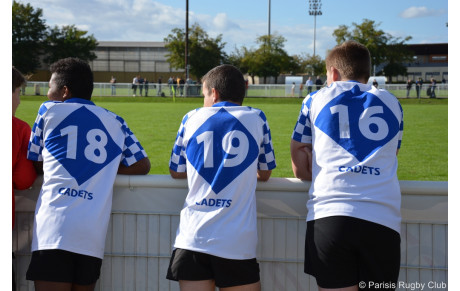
pixel 155 121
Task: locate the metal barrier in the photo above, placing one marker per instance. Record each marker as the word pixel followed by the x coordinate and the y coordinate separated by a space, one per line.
pixel 268 90
pixel 145 215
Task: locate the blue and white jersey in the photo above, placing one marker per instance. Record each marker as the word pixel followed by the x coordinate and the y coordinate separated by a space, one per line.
pixel 355 130
pixel 81 146
pixel 221 147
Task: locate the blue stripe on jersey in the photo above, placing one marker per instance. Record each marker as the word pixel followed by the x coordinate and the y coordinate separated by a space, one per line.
pixel 262 115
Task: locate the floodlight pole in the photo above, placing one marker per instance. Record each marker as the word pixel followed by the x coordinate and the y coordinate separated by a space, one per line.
pixel 269 17
pixel 315 9
pixel 186 39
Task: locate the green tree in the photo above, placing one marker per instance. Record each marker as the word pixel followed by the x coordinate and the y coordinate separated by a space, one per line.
pixel 204 52
pixel 29 31
pixel 243 59
pixel 312 65
pixel 396 55
pixel 69 41
pixel 384 48
pixel 270 59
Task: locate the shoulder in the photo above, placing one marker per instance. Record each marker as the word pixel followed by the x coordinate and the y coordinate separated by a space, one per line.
pixel 110 114
pixel 189 114
pixel 259 113
pixel 46 106
pixel 386 97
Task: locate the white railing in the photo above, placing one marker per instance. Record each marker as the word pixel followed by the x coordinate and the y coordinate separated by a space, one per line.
pixel 267 90
pixel 145 215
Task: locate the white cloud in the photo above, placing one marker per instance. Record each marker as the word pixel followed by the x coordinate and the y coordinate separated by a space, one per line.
pixel 222 22
pixel 153 20
pixel 417 12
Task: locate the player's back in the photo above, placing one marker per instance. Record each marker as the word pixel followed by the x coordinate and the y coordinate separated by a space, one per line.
pixel 81 146
pixel 356 132
pixel 222 145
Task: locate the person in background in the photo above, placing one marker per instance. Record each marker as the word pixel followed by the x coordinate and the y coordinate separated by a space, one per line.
pixel 433 88
pixel 113 81
pixel 293 89
pixel 309 85
pixel 81 148
pixel 346 142
pixel 408 87
pixel 181 86
pixel 146 86
pixel 159 87
pixel 134 85
pixel 23 172
pixel 318 83
pixel 222 149
pixel 418 86
pixel 375 83
pixel 141 85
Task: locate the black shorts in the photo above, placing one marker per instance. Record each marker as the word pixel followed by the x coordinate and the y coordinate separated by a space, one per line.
pixel 63 266
pixel 342 251
pixel 194 266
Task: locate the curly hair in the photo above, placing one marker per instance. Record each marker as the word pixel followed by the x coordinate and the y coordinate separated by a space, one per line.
pixel 76 75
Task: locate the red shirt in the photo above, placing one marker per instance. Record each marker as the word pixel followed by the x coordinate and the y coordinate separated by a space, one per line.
pixel 23 169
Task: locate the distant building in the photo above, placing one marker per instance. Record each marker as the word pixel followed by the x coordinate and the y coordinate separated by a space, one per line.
pixel 430 61
pixel 125 59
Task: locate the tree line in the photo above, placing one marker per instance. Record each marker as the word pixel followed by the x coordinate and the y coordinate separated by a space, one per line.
pixel 33 41
pixel 269 59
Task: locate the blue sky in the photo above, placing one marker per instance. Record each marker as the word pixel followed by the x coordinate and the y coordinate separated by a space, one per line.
pixel 241 22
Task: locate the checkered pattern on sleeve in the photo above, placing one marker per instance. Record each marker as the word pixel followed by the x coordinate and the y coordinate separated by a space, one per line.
pixel 178 161
pixel 266 152
pixel 302 129
pixel 132 149
pixel 35 148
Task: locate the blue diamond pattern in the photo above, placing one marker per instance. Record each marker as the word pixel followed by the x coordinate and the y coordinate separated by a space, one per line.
pixel 219 176
pixel 356 101
pixel 80 167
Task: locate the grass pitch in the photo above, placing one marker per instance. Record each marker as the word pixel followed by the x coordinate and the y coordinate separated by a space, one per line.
pixel 155 121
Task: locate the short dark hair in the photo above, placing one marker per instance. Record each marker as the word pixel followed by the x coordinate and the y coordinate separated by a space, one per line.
pixel 76 75
pixel 351 59
pixel 18 79
pixel 228 81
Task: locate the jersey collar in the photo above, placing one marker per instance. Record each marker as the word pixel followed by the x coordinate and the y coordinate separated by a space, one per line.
pixel 224 103
pixel 79 100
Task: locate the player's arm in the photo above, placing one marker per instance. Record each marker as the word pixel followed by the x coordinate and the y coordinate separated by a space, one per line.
pixel 24 173
pixel 38 165
pixel 301 159
pixel 141 167
pixel 263 175
pixel 178 175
